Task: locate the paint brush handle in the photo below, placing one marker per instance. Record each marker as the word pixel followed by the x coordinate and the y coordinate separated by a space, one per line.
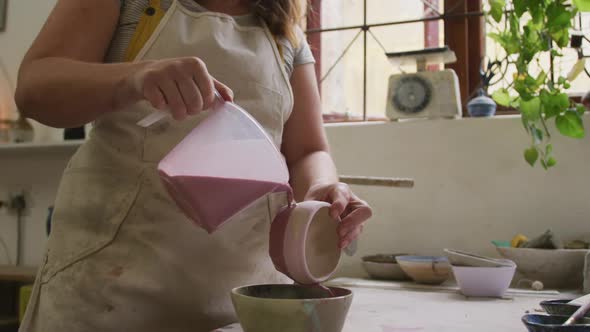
pixel 377 181
pixel 578 314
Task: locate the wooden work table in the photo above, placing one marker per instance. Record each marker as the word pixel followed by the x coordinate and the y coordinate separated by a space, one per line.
pixel 405 307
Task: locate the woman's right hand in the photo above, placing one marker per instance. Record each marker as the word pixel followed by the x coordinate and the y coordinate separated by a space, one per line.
pixel 181 86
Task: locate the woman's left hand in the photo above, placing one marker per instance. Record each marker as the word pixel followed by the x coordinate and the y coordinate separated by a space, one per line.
pixel 353 211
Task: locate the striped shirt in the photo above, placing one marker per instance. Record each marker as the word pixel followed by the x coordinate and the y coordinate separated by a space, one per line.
pixel 132 10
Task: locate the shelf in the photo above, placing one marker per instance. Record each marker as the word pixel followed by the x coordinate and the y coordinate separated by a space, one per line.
pixel 17 273
pixel 40 146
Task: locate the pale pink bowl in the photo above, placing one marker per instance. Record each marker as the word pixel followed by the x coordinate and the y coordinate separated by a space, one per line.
pixel 484 281
pixel 304 242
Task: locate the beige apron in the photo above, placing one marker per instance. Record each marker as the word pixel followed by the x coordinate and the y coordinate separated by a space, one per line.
pixel 121 256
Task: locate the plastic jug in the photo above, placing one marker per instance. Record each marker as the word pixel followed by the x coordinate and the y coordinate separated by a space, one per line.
pixel 222 166
pixel 228 162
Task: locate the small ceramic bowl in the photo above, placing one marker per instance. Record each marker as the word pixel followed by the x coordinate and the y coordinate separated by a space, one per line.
pixel 484 281
pixel 304 242
pixel 384 267
pixel 432 270
pixel 560 308
pixel 290 308
pixel 542 323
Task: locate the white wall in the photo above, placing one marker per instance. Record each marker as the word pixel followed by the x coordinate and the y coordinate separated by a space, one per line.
pixel 472 185
pixel 24 20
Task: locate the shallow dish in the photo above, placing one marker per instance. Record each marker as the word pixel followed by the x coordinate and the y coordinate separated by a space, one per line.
pixel 560 308
pixel 432 270
pixel 384 267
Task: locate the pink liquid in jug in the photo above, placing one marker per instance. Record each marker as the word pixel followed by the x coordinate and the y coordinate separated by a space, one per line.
pixel 211 201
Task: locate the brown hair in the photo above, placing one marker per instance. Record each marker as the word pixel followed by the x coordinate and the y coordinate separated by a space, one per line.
pixel 281 16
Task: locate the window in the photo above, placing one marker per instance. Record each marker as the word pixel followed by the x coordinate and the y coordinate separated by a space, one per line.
pixel 350 38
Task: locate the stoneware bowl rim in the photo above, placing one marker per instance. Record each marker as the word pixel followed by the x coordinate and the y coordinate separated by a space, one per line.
pixel 236 292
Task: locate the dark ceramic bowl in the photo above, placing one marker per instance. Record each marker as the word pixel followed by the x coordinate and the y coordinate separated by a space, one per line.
pixel 560 308
pixel 542 323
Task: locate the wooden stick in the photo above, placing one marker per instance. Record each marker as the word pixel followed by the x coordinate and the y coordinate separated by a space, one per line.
pixel 578 314
pixel 377 181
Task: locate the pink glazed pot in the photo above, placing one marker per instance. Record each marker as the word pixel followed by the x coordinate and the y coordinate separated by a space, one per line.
pixel 304 242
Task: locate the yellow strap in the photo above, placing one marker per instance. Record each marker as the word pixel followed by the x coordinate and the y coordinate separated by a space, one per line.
pixel 147 24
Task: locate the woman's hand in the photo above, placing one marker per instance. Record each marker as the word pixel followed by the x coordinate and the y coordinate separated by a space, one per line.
pixel 353 211
pixel 182 86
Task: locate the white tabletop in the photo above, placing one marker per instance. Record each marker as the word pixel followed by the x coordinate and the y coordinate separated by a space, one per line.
pixel 401 307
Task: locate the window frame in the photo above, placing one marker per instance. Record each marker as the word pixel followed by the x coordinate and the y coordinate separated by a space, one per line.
pixel 464 27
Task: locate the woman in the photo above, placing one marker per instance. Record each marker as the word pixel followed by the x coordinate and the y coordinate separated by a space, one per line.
pixel 121 256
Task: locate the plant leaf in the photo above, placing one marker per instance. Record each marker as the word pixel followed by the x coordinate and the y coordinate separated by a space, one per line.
pixel 531 155
pixel 531 109
pixel 570 124
pixel 497 9
pixel 581 109
pixel 544 164
pixel 502 97
pixel 548 149
pixel 551 162
pixel 519 7
pixel 537 135
pixel 582 5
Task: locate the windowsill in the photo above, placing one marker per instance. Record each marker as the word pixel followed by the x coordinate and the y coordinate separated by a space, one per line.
pixel 498 117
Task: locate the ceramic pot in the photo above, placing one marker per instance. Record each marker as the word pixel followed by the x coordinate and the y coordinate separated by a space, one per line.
pixel 304 242
pixel 290 308
pixel 481 106
pixel 484 281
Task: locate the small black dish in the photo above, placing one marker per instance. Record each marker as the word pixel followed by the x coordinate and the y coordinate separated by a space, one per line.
pixel 542 323
pixel 561 308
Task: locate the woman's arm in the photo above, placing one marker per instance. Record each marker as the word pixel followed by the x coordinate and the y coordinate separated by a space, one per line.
pixel 312 170
pixel 63 82
pixel 305 145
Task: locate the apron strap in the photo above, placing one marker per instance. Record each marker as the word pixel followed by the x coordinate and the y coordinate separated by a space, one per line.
pixel 149 21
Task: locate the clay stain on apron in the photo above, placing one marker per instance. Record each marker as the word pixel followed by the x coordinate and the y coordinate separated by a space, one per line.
pixel 117 271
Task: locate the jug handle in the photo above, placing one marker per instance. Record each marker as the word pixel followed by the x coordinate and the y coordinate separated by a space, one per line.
pixel 156 116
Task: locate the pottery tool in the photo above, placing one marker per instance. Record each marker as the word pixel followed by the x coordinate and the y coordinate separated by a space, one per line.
pixel 463 258
pixel 377 181
pixel 581 300
pixel 578 314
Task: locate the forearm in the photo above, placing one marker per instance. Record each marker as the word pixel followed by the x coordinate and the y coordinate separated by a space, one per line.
pixel 61 92
pixel 312 169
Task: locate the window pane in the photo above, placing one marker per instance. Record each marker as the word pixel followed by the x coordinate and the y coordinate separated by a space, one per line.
pixel 342 90
pixel 379 11
pixel 338 13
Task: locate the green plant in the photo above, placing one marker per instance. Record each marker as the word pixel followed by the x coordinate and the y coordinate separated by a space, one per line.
pixel 527 30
